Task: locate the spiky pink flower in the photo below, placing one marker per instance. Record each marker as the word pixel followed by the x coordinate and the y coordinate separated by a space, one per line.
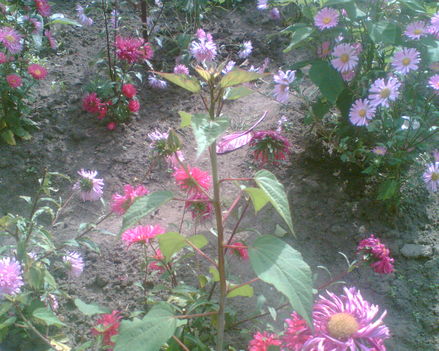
pixel 173 159
pixel 111 126
pixel 74 262
pixel 141 234
pixel 181 69
pixel 192 179
pixel 416 30
pixel 199 206
pixel 379 150
pixel 89 187
pixel 240 249
pixel 52 41
pixel 134 106
pixel 121 203
pixel 270 146
pixel 91 103
pixel 431 176
pixel 11 40
pixel 37 71
pixel 382 92
pixel 296 333
pixel 361 112
pixel 262 341
pixel 246 49
pixel 14 80
pixel 157 265
pixel 129 90
pixel 406 60
pixel 43 7
pixel 347 322
pixel 37 25
pixel 10 277
pixel 203 49
pixel 345 59
pixel 157 83
pixel 281 89
pixel 324 49
pixel 326 18
pixel 133 49
pixel 107 325
pixel 377 254
pixel 434 82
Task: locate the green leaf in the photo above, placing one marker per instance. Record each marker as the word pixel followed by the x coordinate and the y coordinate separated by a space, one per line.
pixel 388 189
pixel 238 76
pixel 149 333
pixel 215 274
pixel 414 5
pixel 277 263
pixel 384 32
pixel 8 322
pixel 205 75
pixel 275 192
pixel 207 131
pixel 47 316
pixel 327 79
pixel 8 137
pixel 183 81
pixel 90 309
pixel 59 18
pixel 344 102
pixel 142 206
pixel 258 197
pixel 172 242
pixel 246 291
pixel 235 93
pixel 298 37
pixel 185 119
pixel 320 108
pixel 337 2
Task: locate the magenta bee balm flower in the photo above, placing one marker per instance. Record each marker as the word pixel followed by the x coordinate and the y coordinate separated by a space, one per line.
pixel 406 60
pixel 181 69
pixel 121 203
pixel 203 49
pixel 270 146
pixel 262 341
pixel 10 277
pixel 326 18
pixel 193 179
pixel 141 234
pixel 377 254
pixel 89 187
pixel 382 92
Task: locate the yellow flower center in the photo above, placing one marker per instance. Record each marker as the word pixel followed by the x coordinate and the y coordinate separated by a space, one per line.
pixel 344 58
pixel 327 20
pixel 406 61
pixel 417 31
pixel 37 72
pixel 342 325
pixel 435 176
pixel 362 112
pixel 10 38
pixel 385 93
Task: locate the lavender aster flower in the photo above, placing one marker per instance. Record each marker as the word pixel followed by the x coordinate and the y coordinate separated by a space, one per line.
pixel 89 186
pixel 75 263
pixel 434 82
pixel 416 30
pixel 379 150
pixel 204 49
pixel 10 277
pixel 406 60
pixel 83 19
pixel 246 49
pixel 181 69
pixel 345 58
pixel 382 92
pixel 230 65
pixel 283 80
pixel 361 112
pixel 156 83
pixel 275 14
pixel 431 176
pixel 262 4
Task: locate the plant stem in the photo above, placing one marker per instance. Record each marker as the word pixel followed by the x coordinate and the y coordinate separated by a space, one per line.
pixel 243 284
pixel 144 18
pixel 107 37
pixel 179 342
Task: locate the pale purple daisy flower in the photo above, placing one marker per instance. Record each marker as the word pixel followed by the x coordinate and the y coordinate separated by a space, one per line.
pixel 275 14
pixel 436 155
pixel 83 19
pixel 38 26
pixel 347 322
pixel 181 69
pixel 11 40
pixel 204 49
pixel 434 82
pixel 262 4
pixel 158 139
pixel 361 112
pixel 326 18
pixel 10 277
pixel 230 65
pixel 264 65
pixel 89 187
pixel 348 76
pixel 379 150
pixel 345 59
pixel 381 92
pixel 74 262
pixel 281 89
pixel 406 60
pixel 416 30
pixel 156 83
pixel 246 49
pixel 431 176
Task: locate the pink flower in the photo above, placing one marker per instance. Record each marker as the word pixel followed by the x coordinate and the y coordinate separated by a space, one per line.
pixel 91 103
pixel 377 254
pixel 348 76
pixel 347 322
pixel 11 279
pixel 326 18
pixel 192 180
pixel 74 262
pixel 43 7
pixel 434 82
pixel 107 326
pixel 14 80
pixel 173 161
pixel 431 176
pixel 90 187
pixel 134 106
pixel 111 126
pixel 379 150
pixel 241 250
pixel 141 234
pixel 121 203
pixel 281 89
pixel 361 112
pixel 246 49
pixel 204 49
pixel 11 40
pixel 52 41
pixel 133 49
pixel 181 69
pixel 324 49
pixel 35 23
pixel 406 60
pixel 296 333
pixel 156 83
pixel 262 341
pixel 345 58
pixel 270 146
pixel 3 58
pixel 202 209
pixel 275 14
pixel 37 72
pixel 382 92
pixel 157 265
pixel 416 30
pixel 129 90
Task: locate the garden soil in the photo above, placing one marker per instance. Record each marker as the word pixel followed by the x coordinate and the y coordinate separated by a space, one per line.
pixel 331 207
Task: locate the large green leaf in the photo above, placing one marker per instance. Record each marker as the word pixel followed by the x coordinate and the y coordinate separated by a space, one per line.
pixel 47 316
pixel 182 80
pixel 245 290
pixel 185 119
pixel 337 2
pixel 90 309
pixel 275 192
pixel 384 32
pixel 327 79
pixel 238 76
pixel 172 242
pixel 207 131
pixel 298 37
pixel 258 197
pixel 277 263
pixel 414 5
pixel 143 206
pixel 149 333
pixel 236 93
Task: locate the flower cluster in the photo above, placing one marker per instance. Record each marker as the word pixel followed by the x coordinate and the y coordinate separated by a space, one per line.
pixel 203 48
pixel 107 325
pixel 192 180
pixel 93 104
pixel 270 146
pixel 283 81
pixel 11 277
pixel 141 234
pixel 132 50
pixel 74 262
pixel 377 254
pixel 90 188
pixel 121 203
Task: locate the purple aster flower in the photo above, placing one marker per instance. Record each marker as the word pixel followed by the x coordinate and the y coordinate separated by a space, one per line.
pixel 90 187
pixel 347 322
pixel 262 4
pixel 181 69
pixel 10 277
pixel 431 176
pixel 230 65
pixel 361 112
pixel 381 92
pixel 156 83
pixel 83 19
pixel 281 89
pixel 416 30
pixel 114 18
pixel 326 18
pixel 75 263
pixel 204 49
pixel 379 150
pixel 406 60
pixel 275 14
pixel 246 49
pixel 434 82
pixel 345 59
pixel 11 40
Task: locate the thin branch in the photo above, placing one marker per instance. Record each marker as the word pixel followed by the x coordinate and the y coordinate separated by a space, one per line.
pixel 257 316
pixel 179 342
pixel 232 207
pixel 243 284
pixel 202 253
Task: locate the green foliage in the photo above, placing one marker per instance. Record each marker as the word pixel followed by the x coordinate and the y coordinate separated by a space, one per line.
pixel 237 77
pixel 47 316
pixel 235 93
pixel 258 197
pixel 172 242
pixel 327 79
pixel 206 131
pixel 90 309
pixel 189 83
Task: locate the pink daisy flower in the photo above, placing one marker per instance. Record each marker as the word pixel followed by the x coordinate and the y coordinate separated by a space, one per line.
pixel 11 40
pixel 431 176
pixel 141 234
pixel 434 82
pixel 129 90
pixel 246 49
pixel 74 262
pixel 37 72
pixel 382 92
pixel 134 106
pixel 406 60
pixel 11 279
pixel 347 322
pixel 416 30
pixel 270 146
pixel 43 7
pixel 202 209
pixel 121 203
pixel 89 187
pixel 181 69
pixel 377 254
pixel 296 333
pixel 379 150
pixel 52 41
pixel 14 80
pixel 281 89
pixel 107 325
pixel 361 112
pixel 326 18
pixel 192 180
pixel 262 341
pixel 324 49
pixel 345 59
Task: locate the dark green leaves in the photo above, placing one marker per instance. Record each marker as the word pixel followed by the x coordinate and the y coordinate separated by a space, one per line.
pixel 47 317
pixel 327 79
pixel 298 36
pixel 384 32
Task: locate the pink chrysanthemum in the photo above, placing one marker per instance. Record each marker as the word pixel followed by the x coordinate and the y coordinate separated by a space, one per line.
pixel 14 80
pixel 262 341
pixel 204 49
pixel 107 326
pixel 326 18
pixel 133 49
pixel 129 90
pixel 240 249
pixel 416 30
pixel 270 146
pixel 406 60
pixel 434 82
pixel 37 25
pixel 157 265
pixel 141 234
pixel 281 89
pixel 345 59
pixel 74 262
pixel 296 333
pixel 181 69
pixel 246 49
pixel 134 106
pixel 157 83
pixel 382 92
pixel 121 203
pixel 361 112
pixel 377 254
pixel 52 41
pixel 91 103
pixel 324 49
pixel 431 176
pixel 347 322
pixel 192 180
pixel 37 72
pixel 89 187
pixel 11 40
pixel 201 209
pixel 10 277
pixel 379 150
pixel 3 58
pixel 43 7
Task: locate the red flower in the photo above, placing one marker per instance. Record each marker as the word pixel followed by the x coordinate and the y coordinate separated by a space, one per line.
pixel 121 203
pixel 134 106
pixel 262 341
pixel 192 180
pixel 296 333
pixel 91 103
pixel 241 250
pixel 270 146
pixel 14 80
pixel 108 326
pixel 37 71
pixel 377 254
pixel 43 7
pixel 132 49
pixel 201 209
pixel 129 90
pixel 111 125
